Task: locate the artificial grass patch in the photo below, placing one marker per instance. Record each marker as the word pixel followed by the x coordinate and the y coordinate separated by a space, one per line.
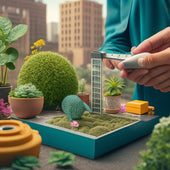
pixel 93 124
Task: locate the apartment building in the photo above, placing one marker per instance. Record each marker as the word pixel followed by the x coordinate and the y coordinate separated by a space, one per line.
pixel 80 29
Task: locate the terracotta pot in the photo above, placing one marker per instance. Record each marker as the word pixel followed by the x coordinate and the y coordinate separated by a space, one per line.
pixel 84 98
pixel 26 107
pixel 112 104
pixel 4 92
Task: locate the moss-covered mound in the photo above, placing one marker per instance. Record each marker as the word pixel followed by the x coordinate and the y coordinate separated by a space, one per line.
pixel 93 124
pixel 52 74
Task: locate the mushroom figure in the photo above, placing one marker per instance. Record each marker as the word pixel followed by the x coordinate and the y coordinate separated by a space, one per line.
pixel 74 107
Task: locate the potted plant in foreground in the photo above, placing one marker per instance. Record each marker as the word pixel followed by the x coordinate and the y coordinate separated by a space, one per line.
pixel 26 101
pixel 82 87
pixel 112 97
pixel 8 55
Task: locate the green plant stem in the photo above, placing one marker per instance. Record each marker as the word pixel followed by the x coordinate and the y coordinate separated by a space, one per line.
pixel 5 76
pixel 2 35
pixel 1 73
pixel 1 68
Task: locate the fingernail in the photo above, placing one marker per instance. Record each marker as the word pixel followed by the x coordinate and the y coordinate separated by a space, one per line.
pixel 120 66
pixel 141 62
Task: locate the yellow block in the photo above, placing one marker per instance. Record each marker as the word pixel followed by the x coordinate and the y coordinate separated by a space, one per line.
pixel 137 106
pixel 17 139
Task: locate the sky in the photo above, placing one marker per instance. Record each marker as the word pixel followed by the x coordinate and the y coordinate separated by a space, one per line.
pixel 53 9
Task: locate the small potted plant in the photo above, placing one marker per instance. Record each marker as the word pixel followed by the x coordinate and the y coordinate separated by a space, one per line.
pixel 82 87
pixel 8 55
pixel 5 110
pixel 112 97
pixel 26 101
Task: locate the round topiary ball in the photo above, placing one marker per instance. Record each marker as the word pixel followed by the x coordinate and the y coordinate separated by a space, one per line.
pixel 52 74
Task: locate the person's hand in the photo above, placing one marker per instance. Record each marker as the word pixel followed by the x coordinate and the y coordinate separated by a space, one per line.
pixel 111 63
pixel 156 43
pixel 157 73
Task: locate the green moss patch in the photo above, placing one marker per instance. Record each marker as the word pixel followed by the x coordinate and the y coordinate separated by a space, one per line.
pixel 93 124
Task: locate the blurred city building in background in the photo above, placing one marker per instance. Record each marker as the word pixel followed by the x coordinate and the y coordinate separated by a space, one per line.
pixel 80 29
pixel 52 32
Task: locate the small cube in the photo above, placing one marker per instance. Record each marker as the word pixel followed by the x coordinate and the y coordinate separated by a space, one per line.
pixel 137 106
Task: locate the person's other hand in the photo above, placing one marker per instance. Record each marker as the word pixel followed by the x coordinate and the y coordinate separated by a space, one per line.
pixel 111 63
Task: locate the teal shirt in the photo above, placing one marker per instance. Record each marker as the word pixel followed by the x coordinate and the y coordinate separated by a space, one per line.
pixel 128 23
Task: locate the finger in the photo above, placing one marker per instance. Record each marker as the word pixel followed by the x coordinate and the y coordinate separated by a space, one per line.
pixel 136 74
pixel 163 84
pixel 157 80
pixel 120 66
pixel 124 73
pixel 155 59
pixel 108 63
pixel 133 48
pixel 167 89
pixel 160 48
pixel 155 75
pixel 115 62
pixel 154 42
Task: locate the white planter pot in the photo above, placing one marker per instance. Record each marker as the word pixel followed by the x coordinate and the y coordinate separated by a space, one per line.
pixel 112 104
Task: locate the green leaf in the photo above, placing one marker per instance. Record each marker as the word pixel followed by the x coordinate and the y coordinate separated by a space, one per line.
pixel 113 92
pixel 61 158
pixel 17 32
pixel 5 26
pixel 25 163
pixel 3 59
pixel 12 54
pixel 8 58
pixel 10 65
pixel 2 46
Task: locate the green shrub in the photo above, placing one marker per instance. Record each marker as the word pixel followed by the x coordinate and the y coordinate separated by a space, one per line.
pixel 157 155
pixel 52 74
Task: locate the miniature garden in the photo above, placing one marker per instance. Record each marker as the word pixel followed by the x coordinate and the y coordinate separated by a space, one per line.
pixel 93 124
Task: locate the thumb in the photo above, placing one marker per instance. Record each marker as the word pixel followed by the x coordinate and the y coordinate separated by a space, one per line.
pixel 155 59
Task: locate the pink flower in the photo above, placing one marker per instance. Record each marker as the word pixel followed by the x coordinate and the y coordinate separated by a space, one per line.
pixel 74 123
pixel 5 109
pixel 123 108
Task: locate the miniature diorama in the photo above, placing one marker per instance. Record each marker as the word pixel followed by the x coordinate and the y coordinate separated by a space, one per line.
pixel 90 130
pixel 86 128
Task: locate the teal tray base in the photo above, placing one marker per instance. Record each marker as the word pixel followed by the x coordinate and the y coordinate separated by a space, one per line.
pixel 87 145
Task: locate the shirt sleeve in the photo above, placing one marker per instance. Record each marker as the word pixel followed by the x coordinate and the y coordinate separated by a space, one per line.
pixel 116 28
